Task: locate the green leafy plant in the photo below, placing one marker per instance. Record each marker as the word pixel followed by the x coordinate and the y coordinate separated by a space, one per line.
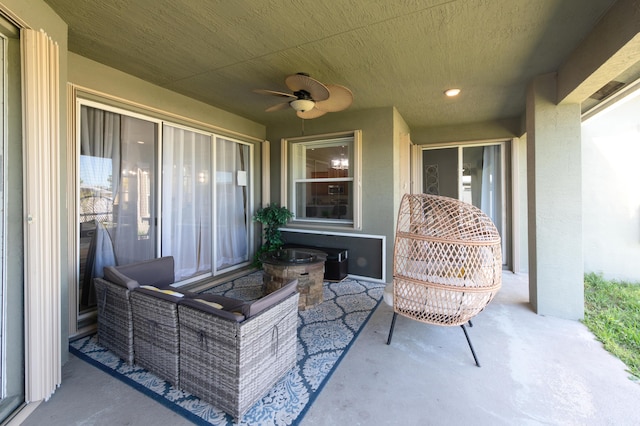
pixel 272 218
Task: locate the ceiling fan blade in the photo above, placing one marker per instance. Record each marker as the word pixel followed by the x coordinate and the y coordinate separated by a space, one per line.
pixel 278 107
pixel 340 99
pixel 274 93
pixel 312 113
pixel 317 90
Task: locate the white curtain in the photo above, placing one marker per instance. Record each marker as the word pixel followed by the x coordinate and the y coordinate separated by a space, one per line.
pixel 491 198
pixel 232 178
pixel 100 138
pixel 186 201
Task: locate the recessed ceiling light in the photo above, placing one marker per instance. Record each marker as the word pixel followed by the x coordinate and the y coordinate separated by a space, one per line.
pixel 452 92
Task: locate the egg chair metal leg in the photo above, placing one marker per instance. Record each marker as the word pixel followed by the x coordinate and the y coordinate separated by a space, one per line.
pixel 470 345
pixel 393 324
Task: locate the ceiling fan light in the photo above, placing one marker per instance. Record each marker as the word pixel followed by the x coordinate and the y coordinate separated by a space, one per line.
pixel 302 105
pixel 452 92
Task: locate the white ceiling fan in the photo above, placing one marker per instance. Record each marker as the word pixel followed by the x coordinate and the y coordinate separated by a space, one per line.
pixel 310 98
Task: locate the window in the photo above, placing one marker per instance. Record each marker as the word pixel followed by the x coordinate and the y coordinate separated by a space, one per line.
pixel 324 175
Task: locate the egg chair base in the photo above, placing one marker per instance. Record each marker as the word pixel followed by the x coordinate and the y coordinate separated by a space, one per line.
pixel 464 329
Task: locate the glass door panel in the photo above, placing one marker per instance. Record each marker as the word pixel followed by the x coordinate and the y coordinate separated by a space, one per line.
pixel 232 194
pixel 440 172
pixel 117 199
pixel 186 201
pixel 473 174
pixel 482 183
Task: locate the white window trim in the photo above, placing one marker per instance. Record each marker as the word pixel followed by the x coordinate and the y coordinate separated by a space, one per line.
pixel 286 186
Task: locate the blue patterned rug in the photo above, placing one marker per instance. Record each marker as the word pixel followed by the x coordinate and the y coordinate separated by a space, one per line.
pixel 325 334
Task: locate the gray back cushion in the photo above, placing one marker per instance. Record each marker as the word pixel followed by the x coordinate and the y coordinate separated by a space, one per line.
pixel 255 307
pixel 231 308
pixel 156 272
pixel 116 277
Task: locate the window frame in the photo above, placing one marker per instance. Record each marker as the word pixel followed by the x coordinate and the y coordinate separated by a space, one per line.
pixel 288 180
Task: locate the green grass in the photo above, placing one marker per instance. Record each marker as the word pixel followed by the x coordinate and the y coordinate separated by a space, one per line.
pixel 612 313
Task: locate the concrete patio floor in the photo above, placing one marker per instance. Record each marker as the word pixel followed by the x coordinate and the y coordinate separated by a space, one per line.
pixel 535 370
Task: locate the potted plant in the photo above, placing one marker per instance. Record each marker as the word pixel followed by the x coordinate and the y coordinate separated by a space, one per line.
pixel 272 218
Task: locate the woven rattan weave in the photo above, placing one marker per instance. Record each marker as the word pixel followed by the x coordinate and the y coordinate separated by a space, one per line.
pixel 115 324
pixel 232 364
pixel 447 260
pixel 156 336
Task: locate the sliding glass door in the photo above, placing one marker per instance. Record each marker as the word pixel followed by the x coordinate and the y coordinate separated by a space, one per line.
pixel 150 188
pixel 475 174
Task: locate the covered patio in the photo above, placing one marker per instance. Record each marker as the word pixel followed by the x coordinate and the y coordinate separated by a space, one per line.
pixel 535 370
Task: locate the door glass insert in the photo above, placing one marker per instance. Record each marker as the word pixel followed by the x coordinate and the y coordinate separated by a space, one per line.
pixel 117 199
pixel 187 200
pixel 474 174
pixel 232 195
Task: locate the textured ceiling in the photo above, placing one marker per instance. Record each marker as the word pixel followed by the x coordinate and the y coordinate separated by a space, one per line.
pixel 398 53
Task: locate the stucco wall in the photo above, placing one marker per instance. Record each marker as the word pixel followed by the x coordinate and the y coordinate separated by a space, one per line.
pixel 611 191
pixel 378 147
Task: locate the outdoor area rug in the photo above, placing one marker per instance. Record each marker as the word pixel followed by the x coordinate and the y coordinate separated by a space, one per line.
pixel 325 334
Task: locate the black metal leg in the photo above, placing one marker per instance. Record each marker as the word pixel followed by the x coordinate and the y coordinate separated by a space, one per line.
pixel 470 345
pixel 393 324
pixel 470 323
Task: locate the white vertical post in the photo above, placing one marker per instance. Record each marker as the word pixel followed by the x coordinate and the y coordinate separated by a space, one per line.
pixel 41 152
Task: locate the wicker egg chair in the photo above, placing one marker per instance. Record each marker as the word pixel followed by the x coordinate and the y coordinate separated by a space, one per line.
pixel 447 262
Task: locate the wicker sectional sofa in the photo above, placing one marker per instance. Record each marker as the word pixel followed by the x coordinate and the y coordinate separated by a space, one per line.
pixel 225 351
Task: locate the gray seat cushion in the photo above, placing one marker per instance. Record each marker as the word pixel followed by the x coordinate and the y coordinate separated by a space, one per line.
pixel 171 295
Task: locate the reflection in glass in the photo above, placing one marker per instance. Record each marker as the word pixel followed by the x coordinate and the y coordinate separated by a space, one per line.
pixel 116 204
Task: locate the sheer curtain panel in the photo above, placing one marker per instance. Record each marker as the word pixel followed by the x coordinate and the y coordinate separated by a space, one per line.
pixel 232 177
pixel 186 200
